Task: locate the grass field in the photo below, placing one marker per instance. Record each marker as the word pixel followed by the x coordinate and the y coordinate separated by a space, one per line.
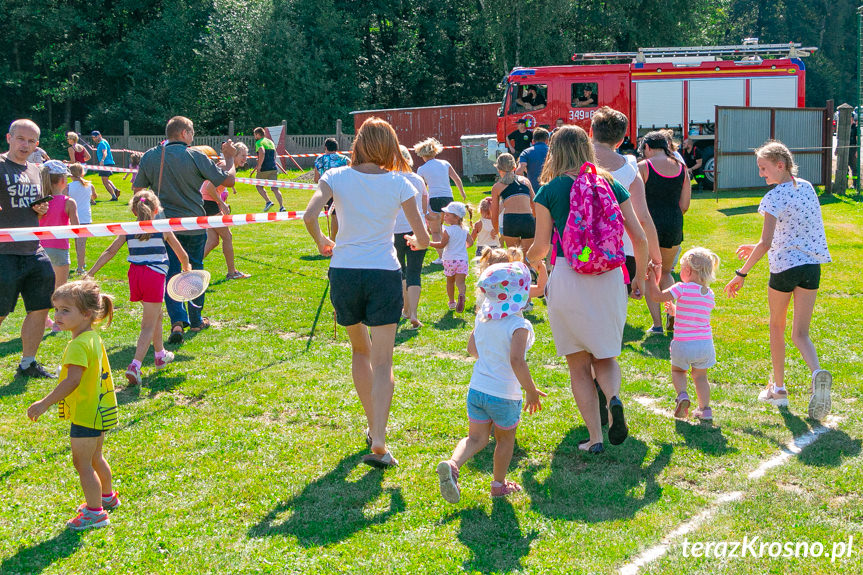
pixel 244 455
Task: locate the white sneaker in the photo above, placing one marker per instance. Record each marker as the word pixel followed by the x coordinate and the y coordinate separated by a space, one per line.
pixel 773 397
pixel 820 402
pixel 438 262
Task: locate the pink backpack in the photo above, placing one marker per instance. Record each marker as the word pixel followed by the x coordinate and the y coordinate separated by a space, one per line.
pixel 592 239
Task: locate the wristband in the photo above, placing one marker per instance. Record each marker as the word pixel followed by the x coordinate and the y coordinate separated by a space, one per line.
pixel 740 274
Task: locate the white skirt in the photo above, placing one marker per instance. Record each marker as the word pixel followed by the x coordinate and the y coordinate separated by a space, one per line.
pixel 586 312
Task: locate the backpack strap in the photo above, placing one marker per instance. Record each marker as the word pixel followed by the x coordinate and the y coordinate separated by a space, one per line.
pixel 555 239
pixel 161 169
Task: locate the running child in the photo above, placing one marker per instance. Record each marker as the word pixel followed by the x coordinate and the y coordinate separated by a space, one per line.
pixel 455 239
pixel 148 268
pixel 84 194
pixel 692 345
pixel 793 239
pixel 85 396
pixel 134 162
pixel 483 233
pixel 499 342
pixel 62 211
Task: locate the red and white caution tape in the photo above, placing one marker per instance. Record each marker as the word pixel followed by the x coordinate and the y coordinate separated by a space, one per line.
pixel 252 181
pixel 145 227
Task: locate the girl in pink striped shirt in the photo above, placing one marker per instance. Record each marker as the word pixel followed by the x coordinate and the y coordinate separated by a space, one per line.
pixel 692 346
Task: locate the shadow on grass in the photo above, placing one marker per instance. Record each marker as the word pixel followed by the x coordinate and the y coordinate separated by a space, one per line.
pixel 496 541
pixel 16 386
pixel 593 488
pixel 331 508
pixel 739 210
pixel 704 437
pixel 406 332
pixel 11 347
pixel 314 258
pixel 38 557
pixel 450 321
pixel 826 451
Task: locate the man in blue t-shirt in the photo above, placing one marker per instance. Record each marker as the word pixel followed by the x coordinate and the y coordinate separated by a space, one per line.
pixel 105 158
pixel 332 159
pixel 533 159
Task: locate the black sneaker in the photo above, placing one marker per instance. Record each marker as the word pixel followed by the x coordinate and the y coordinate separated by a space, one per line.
pixel 618 432
pixel 35 369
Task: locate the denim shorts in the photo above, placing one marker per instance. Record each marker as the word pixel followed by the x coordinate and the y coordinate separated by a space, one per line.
pixel 59 256
pixel 484 408
pixel 698 353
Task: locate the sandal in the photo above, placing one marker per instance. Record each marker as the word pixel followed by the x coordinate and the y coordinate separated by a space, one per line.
pixel 368 439
pixel 205 323
pixel 595 449
pixel 618 431
pixel 681 408
pixel 504 489
pixel 176 336
pixel 379 461
pixel 237 275
pixel 459 307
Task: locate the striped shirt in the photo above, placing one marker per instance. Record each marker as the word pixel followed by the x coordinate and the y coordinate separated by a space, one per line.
pixel 151 253
pixel 692 319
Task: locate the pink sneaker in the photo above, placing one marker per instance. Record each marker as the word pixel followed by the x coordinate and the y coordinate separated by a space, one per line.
pixel 447 472
pixel 504 489
pixel 87 519
pixel 161 362
pixel 108 503
pixel 133 374
pixel 681 407
pixel 705 414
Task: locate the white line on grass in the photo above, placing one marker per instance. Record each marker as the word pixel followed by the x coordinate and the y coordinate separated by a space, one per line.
pixel 792 448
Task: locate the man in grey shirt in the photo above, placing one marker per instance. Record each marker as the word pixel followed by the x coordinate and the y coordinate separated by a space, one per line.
pixel 175 173
pixel 25 269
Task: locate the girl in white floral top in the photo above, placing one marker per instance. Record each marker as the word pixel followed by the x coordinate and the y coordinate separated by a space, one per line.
pixel 793 239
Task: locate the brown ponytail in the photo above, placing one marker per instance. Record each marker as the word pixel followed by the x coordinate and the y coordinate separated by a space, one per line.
pixel 145 205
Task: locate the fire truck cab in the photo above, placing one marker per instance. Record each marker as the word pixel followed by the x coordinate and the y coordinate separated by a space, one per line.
pixel 675 88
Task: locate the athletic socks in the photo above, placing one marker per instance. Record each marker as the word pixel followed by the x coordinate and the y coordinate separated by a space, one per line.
pixel 159 354
pixel 136 363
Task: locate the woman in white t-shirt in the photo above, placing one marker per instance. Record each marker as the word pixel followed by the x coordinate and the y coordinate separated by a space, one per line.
pixel 411 261
pixel 437 175
pixel 365 276
pixel 795 243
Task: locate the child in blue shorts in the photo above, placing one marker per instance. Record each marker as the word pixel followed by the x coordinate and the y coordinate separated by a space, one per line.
pixel 500 340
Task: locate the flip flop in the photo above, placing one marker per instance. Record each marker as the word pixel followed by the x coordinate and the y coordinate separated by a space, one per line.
pixel 368 439
pixel 379 461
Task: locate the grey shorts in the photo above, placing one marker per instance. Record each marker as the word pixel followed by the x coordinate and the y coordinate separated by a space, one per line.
pixel 58 256
pixel 697 353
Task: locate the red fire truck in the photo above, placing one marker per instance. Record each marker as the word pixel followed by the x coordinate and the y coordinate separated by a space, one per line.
pixel 676 88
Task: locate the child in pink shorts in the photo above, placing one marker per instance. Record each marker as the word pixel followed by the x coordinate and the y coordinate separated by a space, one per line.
pixel 148 259
pixel 455 240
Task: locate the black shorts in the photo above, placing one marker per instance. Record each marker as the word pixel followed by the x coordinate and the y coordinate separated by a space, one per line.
pixel 521 226
pixel 105 173
pixel 79 431
pixel 669 237
pixel 630 270
pixel 31 277
pixel 410 260
pixel 437 204
pixel 211 208
pixel 371 297
pixel 807 276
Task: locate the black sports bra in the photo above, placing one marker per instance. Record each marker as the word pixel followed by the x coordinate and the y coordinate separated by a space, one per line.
pixel 514 189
